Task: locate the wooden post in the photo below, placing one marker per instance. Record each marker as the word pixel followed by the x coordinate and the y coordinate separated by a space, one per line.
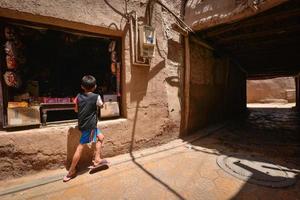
pixel 3 88
pixel 297 81
pixel 187 76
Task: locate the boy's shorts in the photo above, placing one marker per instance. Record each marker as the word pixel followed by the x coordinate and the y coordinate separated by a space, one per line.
pixel 89 136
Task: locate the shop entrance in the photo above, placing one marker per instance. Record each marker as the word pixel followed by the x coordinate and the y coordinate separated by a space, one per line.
pixel 42 70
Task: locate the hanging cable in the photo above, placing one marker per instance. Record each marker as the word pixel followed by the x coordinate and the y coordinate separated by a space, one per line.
pixel 186 27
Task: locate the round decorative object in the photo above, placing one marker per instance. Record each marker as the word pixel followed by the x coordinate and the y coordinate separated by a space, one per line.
pixel 11 62
pixel 257 170
pixel 12 79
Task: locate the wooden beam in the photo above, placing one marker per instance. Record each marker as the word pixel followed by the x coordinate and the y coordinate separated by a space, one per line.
pixel 268 42
pixel 265 50
pixel 268 76
pixel 187 78
pixel 46 21
pixel 261 19
pixel 260 34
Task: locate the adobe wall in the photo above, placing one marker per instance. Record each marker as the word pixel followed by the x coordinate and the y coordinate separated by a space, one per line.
pixel 271 90
pixel 218 88
pixel 151 95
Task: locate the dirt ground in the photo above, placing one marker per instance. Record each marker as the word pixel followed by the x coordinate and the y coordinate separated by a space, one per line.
pixel 185 168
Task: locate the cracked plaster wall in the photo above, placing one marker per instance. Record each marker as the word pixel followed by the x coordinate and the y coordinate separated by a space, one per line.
pixel 218 88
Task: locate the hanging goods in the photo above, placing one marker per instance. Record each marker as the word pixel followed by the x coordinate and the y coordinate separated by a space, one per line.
pixel 118 78
pixel 10 48
pixel 12 79
pixel 114 56
pixel 11 62
pixel 112 46
pixel 113 68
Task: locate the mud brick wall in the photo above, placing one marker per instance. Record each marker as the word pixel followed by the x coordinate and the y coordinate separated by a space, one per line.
pixel 151 95
pixel 218 87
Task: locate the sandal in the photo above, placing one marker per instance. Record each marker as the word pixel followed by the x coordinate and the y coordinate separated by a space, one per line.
pixel 103 162
pixel 69 177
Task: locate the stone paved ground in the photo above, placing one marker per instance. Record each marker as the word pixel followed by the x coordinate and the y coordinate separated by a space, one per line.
pixel 177 170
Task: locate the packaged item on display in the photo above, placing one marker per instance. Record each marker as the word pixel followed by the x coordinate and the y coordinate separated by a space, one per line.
pixel 110 109
pixel 12 79
pixel 20 104
pixel 48 100
pixel 22 97
pixel 34 102
pixel 64 100
pixel 55 100
pixel 11 62
pixel 22 116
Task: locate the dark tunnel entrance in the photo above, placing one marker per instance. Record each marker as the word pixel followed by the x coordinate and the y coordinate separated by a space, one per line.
pixel 265 46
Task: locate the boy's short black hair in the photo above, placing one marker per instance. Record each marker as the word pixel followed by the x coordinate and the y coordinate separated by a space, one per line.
pixel 88 82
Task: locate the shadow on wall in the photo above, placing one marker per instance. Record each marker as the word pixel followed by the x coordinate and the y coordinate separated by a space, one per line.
pixel 140 77
pixel 72 143
pixel 138 89
pixel 175 54
pixel 138 83
pixel 174 49
pixel 173 81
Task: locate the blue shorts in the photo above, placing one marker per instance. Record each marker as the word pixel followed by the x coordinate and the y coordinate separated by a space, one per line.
pixel 89 136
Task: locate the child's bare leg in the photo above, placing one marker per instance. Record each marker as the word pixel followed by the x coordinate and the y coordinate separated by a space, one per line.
pixel 99 144
pixel 75 159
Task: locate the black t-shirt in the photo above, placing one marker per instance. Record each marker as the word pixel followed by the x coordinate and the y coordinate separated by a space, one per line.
pixel 87 111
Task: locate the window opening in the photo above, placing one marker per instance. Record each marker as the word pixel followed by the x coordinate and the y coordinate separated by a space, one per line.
pixel 43 68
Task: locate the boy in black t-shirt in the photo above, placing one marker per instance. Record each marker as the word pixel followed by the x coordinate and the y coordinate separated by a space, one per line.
pixel 86 104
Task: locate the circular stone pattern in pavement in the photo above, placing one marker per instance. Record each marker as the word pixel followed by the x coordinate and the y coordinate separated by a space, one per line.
pixel 256 170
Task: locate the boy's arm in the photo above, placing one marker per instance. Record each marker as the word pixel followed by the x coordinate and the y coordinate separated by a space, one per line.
pixel 76 105
pixel 99 102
